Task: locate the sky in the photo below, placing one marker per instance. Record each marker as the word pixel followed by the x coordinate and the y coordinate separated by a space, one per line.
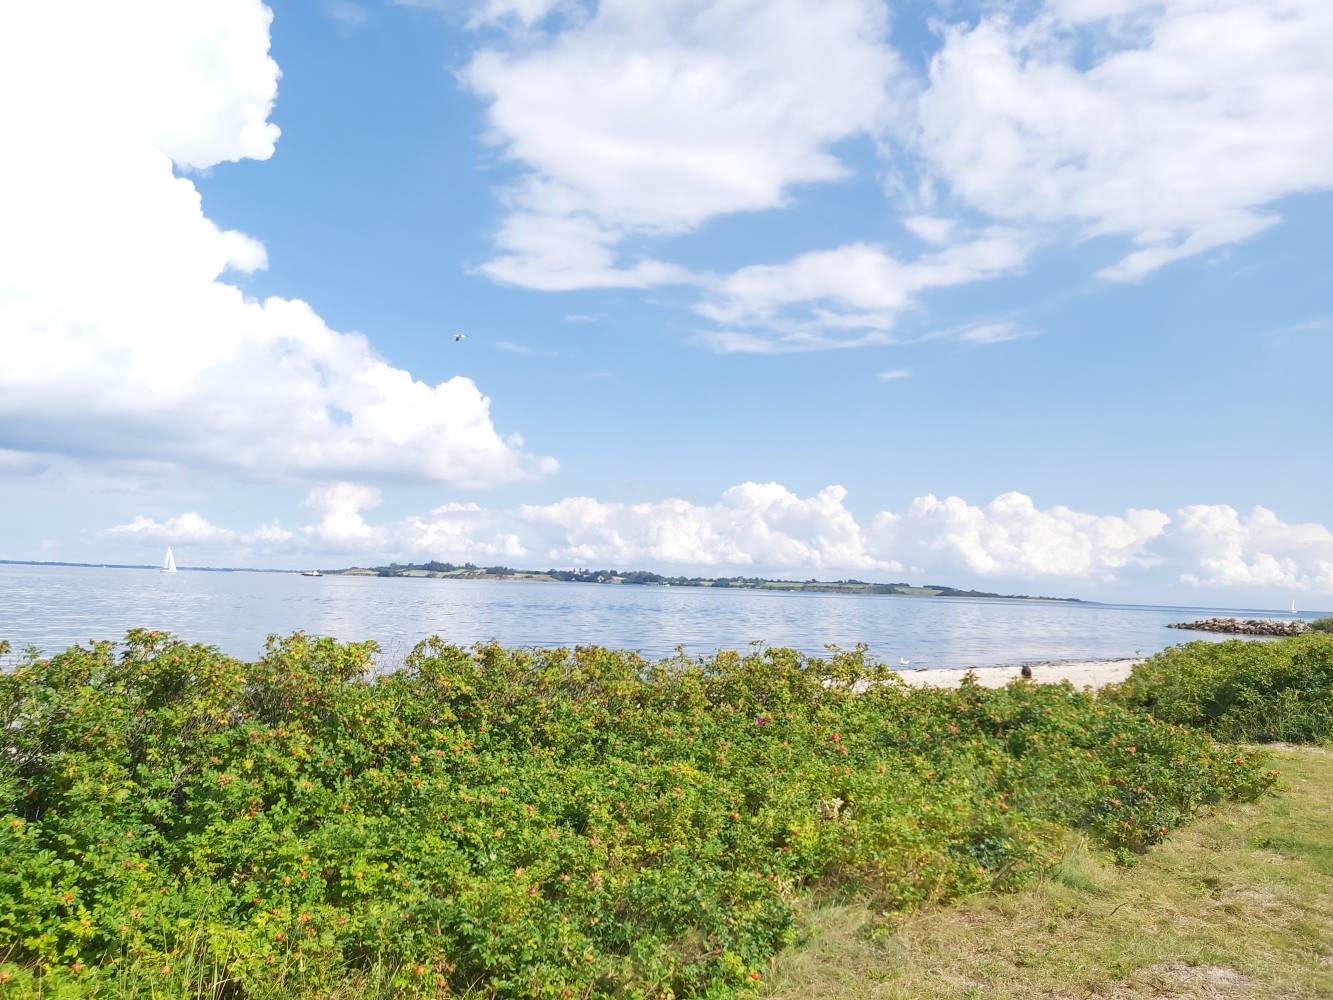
pixel 1024 296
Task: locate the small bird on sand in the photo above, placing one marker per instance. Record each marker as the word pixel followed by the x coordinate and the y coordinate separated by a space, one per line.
pixel 903 661
pixel 1026 671
pixel 459 338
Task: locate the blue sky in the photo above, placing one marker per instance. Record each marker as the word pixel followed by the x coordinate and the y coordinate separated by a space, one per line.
pixel 932 256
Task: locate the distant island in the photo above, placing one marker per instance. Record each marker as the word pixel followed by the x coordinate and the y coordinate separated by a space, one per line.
pixel 470 571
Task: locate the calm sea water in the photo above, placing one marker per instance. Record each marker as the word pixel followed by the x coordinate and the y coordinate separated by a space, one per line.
pixel 54 607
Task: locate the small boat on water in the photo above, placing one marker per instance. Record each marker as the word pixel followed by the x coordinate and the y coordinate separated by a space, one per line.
pixel 169 563
pixel 311 572
pixel 1293 607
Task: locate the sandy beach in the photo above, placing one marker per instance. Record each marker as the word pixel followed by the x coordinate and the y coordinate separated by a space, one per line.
pixel 1081 673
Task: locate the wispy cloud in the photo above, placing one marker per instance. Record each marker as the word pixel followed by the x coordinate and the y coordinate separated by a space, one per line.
pixel 893 374
pixel 20 463
pixel 1320 324
pixel 994 333
pixel 776 340
pixel 849 296
pixel 980 333
pixel 524 349
pixel 347 14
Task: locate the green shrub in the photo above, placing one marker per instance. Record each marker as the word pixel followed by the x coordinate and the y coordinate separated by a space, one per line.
pixel 1322 625
pixel 1239 690
pixel 525 822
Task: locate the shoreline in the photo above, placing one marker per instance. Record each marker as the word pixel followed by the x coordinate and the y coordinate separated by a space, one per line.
pixel 1080 673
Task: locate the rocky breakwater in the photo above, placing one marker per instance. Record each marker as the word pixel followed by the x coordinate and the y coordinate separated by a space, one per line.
pixel 1247 626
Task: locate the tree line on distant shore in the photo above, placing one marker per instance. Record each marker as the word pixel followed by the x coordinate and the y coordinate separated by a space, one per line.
pixel 641 577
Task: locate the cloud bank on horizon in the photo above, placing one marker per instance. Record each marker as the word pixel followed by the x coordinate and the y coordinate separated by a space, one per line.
pixel 761 528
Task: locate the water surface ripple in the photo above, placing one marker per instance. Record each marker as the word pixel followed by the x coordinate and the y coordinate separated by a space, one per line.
pixel 54 607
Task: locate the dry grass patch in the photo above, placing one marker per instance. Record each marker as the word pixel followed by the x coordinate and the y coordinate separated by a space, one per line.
pixel 1237 905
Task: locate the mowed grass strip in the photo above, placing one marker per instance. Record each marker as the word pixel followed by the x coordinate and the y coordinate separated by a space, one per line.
pixel 1237 905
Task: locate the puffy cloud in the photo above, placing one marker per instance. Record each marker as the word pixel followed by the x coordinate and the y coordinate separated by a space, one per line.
pixel 765 528
pixel 120 337
pixel 339 507
pixel 601 171
pixel 462 532
pixel 1010 537
pixel 1226 549
pixel 1175 124
pixel 192 527
pixel 753 525
pixel 187 527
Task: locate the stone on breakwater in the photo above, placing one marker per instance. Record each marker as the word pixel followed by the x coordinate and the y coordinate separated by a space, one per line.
pixel 1247 626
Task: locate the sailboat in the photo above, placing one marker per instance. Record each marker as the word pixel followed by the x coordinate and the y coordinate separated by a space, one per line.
pixel 1293 606
pixel 169 563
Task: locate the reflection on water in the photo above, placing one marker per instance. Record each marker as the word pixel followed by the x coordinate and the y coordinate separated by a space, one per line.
pixel 54 607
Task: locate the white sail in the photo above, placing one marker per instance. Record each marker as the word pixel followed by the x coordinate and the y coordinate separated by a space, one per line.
pixel 1293 607
pixel 169 564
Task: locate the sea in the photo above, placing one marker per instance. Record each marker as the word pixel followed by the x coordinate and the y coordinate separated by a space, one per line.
pixel 53 607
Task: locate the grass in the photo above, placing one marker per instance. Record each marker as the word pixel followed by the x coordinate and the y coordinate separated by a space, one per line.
pixel 1237 905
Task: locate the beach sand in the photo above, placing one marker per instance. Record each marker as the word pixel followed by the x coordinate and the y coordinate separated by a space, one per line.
pixel 1082 673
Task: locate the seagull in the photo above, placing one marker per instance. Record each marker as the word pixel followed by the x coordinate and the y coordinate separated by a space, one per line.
pixel 459 338
pixel 904 661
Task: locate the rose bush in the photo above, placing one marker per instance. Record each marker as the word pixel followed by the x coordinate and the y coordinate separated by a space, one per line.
pixel 1238 690
pixel 525 822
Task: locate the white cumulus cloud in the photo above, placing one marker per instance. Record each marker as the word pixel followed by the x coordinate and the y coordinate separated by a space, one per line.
pixel 1013 538
pixel 1168 127
pixel 121 335
pixel 1224 549
pixel 192 527
pixel 649 119
pixel 1175 123
pixel 340 524
pixel 753 525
